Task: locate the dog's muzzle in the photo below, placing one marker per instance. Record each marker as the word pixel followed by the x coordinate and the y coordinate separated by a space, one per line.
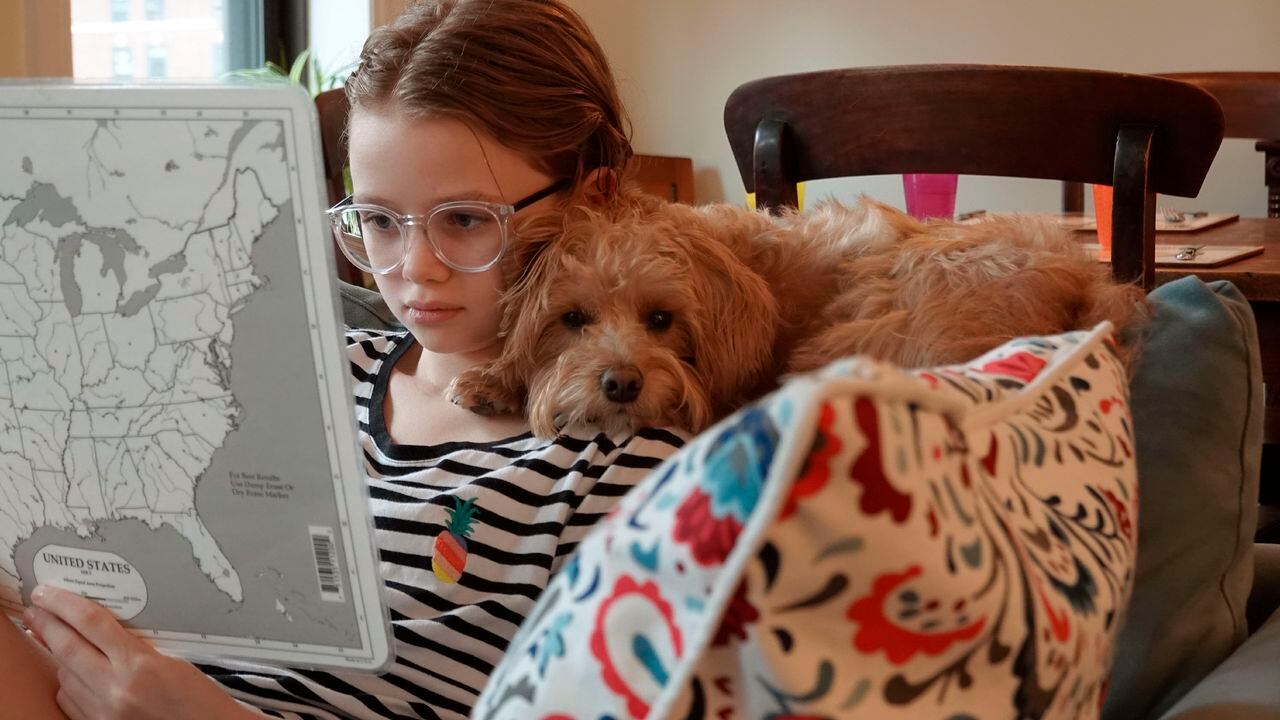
pixel 621 384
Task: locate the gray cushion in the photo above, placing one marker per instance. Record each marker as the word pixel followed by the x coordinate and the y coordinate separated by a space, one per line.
pixel 1197 406
pixel 1264 599
pixel 1250 679
pixel 365 309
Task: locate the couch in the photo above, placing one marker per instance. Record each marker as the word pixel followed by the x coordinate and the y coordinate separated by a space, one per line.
pixel 1202 633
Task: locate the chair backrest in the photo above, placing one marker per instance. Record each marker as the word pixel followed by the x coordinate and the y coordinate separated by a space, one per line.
pixel 1250 100
pixel 332 107
pixel 1140 134
pixel 670 178
pixel 1251 103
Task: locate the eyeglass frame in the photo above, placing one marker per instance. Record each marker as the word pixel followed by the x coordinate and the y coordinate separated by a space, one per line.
pixel 502 212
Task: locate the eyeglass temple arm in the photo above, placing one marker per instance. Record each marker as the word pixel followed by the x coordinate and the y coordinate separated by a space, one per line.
pixel 551 189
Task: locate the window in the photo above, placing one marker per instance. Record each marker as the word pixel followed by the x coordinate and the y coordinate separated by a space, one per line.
pixel 189 40
pixel 157 61
pixel 122 61
pixel 336 32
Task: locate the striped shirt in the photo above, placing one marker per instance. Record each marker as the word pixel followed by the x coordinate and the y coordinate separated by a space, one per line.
pixel 527 502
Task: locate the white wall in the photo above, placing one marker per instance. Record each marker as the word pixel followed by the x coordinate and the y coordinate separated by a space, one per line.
pixel 336 33
pixel 678 60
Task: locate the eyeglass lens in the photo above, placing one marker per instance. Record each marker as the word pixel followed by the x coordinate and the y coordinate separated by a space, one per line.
pixel 467 237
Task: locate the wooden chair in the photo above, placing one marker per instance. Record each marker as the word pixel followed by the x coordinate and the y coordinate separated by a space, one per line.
pixel 1251 103
pixel 332 107
pixel 670 178
pixel 1141 134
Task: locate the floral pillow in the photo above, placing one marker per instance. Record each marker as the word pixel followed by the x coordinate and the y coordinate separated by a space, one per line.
pixel 866 542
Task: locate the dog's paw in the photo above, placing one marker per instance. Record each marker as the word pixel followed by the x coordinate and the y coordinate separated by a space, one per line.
pixel 476 392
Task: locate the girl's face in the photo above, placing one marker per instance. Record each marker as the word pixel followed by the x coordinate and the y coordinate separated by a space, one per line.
pixel 411 165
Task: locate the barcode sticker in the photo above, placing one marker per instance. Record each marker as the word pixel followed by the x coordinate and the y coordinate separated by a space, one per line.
pixel 327 570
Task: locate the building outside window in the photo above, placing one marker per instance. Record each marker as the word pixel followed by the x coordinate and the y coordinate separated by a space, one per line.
pixel 157 61
pixel 205 39
pixel 121 60
pixel 163 39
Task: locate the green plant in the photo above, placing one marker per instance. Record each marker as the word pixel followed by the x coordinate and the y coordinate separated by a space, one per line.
pixel 304 71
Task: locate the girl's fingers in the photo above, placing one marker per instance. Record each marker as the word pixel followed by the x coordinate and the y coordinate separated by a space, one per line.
pixel 67 646
pixel 75 689
pixel 92 621
pixel 70 707
pixel 26 620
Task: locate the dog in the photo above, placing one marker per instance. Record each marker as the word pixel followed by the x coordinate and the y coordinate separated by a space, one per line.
pixel 647 313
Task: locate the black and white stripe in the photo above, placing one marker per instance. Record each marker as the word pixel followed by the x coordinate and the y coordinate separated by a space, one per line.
pixel 537 498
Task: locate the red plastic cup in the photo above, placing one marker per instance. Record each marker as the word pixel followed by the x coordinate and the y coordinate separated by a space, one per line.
pixel 1102 216
pixel 930 195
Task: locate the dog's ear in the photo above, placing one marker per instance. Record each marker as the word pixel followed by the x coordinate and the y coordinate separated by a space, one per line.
pixel 734 334
pixel 530 237
pixel 524 298
pixel 526 304
pixel 576 223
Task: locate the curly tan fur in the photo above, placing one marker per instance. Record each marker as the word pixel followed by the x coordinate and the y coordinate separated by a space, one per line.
pixel 751 297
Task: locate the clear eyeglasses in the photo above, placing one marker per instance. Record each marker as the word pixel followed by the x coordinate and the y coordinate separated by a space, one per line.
pixel 466 235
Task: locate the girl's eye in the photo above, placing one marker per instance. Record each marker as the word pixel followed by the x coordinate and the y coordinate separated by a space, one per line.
pixel 465 220
pixel 574 319
pixel 377 221
pixel 659 320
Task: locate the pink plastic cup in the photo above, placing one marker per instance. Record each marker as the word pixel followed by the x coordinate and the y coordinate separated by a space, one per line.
pixel 930 195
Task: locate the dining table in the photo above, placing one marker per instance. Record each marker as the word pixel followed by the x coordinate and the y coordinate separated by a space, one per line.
pixel 1257 277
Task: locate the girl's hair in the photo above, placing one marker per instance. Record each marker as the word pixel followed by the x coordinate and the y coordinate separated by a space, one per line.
pixel 528 72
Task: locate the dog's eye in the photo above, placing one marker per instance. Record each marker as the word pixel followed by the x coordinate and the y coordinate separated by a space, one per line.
pixel 659 320
pixel 574 319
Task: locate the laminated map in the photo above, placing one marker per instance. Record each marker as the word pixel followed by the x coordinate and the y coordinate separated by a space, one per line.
pixel 176 433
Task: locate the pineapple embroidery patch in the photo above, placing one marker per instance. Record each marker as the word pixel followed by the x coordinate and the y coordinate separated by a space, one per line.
pixel 449 552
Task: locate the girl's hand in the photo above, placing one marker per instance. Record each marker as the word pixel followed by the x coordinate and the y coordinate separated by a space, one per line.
pixel 106 672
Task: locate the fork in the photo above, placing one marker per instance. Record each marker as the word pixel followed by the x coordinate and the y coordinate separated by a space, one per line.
pixel 1189 253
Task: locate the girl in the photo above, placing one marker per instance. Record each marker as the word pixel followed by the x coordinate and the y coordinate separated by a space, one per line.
pixel 466 117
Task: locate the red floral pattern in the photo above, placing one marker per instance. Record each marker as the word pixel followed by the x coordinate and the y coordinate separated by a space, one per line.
pixel 611 673
pixel 816 471
pixel 878 492
pixel 876 632
pixel 709 538
pixel 1022 365
pixel 738 614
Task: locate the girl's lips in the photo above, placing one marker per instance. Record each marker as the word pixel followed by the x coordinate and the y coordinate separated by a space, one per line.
pixel 432 314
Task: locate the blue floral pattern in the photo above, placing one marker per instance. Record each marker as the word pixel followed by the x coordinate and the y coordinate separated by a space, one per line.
pixel 736 464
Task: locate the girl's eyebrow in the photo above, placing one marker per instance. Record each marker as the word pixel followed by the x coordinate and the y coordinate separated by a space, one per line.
pixel 471 196
pixel 475 196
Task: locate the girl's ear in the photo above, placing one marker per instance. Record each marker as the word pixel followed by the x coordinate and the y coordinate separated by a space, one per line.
pixel 599 186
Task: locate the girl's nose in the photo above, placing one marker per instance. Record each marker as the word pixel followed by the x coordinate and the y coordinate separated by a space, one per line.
pixel 420 262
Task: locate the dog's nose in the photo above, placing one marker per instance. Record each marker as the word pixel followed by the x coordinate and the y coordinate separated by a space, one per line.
pixel 621 384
